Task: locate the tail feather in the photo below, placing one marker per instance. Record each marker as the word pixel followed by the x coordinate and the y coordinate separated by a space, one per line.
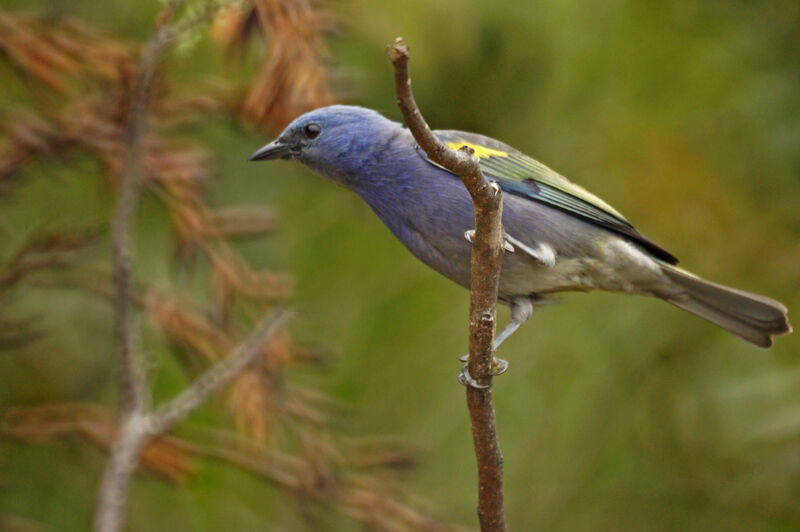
pixel 750 316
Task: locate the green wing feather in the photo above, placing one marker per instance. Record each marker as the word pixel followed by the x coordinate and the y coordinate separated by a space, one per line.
pixel 518 174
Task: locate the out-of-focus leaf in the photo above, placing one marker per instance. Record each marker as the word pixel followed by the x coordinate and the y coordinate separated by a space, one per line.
pixel 292 78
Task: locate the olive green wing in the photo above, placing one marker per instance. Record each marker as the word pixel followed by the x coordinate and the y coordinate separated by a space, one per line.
pixel 518 174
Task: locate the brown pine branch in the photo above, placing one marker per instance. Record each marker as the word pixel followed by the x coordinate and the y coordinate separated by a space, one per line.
pixel 167 415
pixel 130 376
pixel 487 251
pixel 127 447
pixel 100 121
pixel 139 426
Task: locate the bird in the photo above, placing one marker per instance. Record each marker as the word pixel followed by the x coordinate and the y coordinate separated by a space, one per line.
pixel 558 236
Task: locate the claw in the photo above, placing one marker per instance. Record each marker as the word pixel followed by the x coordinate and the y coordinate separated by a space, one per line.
pixel 466 379
pixel 499 366
pixel 470 236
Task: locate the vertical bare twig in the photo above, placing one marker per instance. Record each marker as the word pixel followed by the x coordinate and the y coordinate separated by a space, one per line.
pixel 131 377
pixel 123 460
pixel 137 423
pixel 127 447
pixel 486 263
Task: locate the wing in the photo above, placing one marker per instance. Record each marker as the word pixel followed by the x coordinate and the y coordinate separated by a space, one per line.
pixel 518 174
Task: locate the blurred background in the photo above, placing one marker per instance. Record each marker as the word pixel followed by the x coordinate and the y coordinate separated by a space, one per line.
pixel 618 413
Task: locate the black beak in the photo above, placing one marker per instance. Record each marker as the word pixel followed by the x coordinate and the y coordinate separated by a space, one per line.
pixel 273 150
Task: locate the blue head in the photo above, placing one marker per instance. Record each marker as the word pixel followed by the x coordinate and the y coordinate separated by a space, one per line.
pixel 339 142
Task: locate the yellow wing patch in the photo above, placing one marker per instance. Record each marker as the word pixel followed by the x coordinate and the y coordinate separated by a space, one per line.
pixel 540 173
pixel 481 152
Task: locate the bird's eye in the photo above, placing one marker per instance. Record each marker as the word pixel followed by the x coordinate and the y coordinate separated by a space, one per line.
pixel 312 130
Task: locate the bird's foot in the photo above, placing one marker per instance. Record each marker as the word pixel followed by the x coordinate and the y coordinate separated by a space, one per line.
pixel 470 236
pixel 499 366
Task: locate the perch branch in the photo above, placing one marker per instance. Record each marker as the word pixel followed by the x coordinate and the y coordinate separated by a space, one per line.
pixel 486 262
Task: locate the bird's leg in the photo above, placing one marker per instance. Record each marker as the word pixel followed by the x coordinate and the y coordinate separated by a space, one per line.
pixel 521 310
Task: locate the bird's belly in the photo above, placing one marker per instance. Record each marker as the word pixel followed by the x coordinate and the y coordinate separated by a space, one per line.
pixel 520 274
pixel 523 276
pixel 614 265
